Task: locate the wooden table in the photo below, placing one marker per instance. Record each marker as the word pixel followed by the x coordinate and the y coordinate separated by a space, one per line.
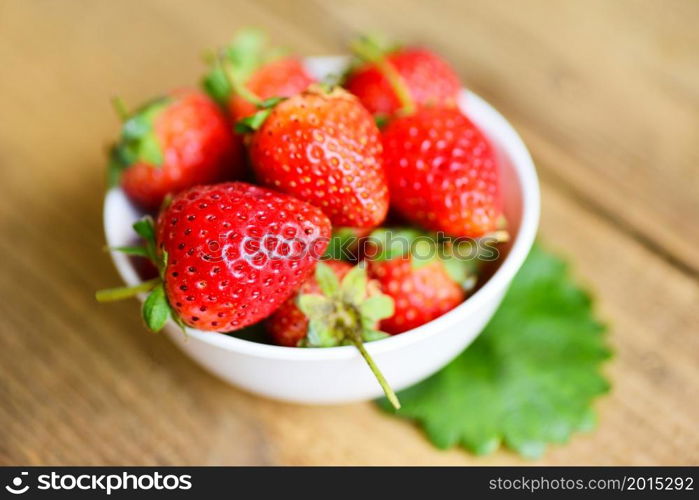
pixel 606 94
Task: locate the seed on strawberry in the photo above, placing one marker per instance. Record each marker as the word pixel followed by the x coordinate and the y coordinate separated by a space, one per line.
pixel 256 72
pixel 390 76
pixel 171 144
pixel 324 148
pixel 442 172
pixel 338 305
pixel 228 254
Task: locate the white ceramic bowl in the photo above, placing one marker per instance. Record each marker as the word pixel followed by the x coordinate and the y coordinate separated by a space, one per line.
pixel 339 374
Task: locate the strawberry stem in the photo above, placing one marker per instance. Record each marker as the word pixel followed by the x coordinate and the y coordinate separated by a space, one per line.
pixel 367 50
pixel 125 292
pixel 375 370
pixel 236 84
pixel 120 108
pixel 352 327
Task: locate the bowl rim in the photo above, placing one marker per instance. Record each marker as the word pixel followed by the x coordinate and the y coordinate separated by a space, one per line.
pixel 523 166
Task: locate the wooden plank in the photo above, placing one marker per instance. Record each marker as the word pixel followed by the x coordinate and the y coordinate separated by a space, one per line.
pixel 86 384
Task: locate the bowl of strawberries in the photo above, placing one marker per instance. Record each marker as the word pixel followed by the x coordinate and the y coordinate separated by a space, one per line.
pixel 320 230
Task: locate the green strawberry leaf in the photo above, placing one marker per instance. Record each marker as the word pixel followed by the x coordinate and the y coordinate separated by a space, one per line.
pixel 244 55
pixel 327 280
pixel 321 334
pixel 216 84
pixel 145 229
pixel 373 47
pixel 376 308
pixel 156 310
pixel 138 141
pixel 392 243
pixel 131 250
pixel 424 252
pixel 341 245
pixel 246 51
pixel 354 284
pixel 149 150
pixel 463 272
pixel 529 379
pixel 314 306
pixel 270 102
pixel 370 335
pixel 252 123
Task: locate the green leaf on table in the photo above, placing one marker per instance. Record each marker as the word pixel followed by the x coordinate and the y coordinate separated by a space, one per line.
pixel 528 380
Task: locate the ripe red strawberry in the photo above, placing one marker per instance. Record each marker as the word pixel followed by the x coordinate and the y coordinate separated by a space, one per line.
pixel 427 275
pixel 442 172
pixel 229 255
pixel 424 76
pixel 255 72
pixel 288 326
pixel 420 294
pixel 338 305
pixel 171 144
pixel 324 147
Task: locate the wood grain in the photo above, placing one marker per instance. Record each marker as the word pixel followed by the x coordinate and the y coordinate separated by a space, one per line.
pixel 605 94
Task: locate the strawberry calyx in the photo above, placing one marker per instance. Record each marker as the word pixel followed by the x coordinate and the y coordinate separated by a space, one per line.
pixel 138 142
pixel 232 67
pixel 346 313
pixel 253 122
pixel 374 50
pixel 156 308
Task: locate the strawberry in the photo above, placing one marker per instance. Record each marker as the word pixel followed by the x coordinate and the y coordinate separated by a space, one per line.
pixel 338 305
pixel 171 144
pixel 420 293
pixel 228 255
pixel 390 76
pixel 426 275
pixel 288 326
pixel 407 267
pixel 322 147
pixel 255 72
pixel 442 172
